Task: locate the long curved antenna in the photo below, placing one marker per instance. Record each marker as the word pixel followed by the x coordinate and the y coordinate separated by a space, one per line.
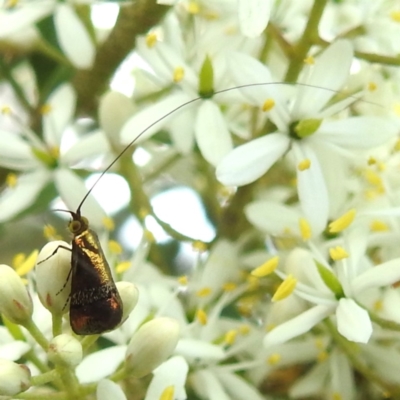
pixel 78 211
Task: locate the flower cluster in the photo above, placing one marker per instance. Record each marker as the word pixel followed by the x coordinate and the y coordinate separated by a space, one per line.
pixel 281 119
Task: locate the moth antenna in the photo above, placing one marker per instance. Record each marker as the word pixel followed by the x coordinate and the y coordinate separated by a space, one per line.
pixel 78 210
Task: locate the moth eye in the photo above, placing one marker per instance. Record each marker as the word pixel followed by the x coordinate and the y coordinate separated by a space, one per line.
pixel 74 226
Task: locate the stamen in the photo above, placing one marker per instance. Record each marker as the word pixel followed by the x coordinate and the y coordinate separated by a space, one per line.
pixel 304 164
pixel 285 289
pixel 274 359
pixel 151 39
pixel 305 229
pixel 267 268
pixel 342 222
pixel 168 393
pixel 268 105
pixel 201 316
pixel 178 75
pixel 338 253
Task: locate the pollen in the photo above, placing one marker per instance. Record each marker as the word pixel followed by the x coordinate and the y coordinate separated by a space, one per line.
pixel 18 259
pixel 379 226
pixel 45 109
pixel 373 178
pixel 395 15
pixel 122 267
pixel 6 110
pixel 230 337
pixel 114 247
pixel 274 359
pixel 27 264
pixel 204 292
pixel 178 75
pixel 338 253
pixel 305 229
pixel 168 393
pixel 229 286
pixel 193 8
pixel 108 223
pixel 151 39
pixel 201 316
pixel 285 289
pixel 11 180
pixel 267 268
pixel 304 164
pixel 199 246
pixel 343 222
pixel 268 105
pixel 310 60
pixel 183 280
pixel 372 86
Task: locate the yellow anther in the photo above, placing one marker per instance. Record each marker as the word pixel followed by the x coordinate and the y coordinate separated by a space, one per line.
pixel 267 268
pixel 253 282
pixel 304 164
pixel 371 161
pixel 204 292
pixel 395 15
pixel 305 229
pixel 18 259
pixel 45 109
pixel 178 74
pixel 11 4
pixel 151 39
pixel 108 223
pixel 114 247
pixel 122 267
pixel 268 105
pixel 338 253
pixel 244 329
pixel 372 86
pixel 285 289
pixel 274 359
pixel 373 178
pixel 396 108
pixel 322 356
pixel 11 180
pixel 342 222
pixel 193 8
pixel 183 280
pixel 270 327
pixel 229 286
pixel 6 110
pixel 50 233
pixel 378 226
pixel 199 246
pixel 28 263
pixel 168 393
pixel 310 60
pixel 230 337
pixel 201 316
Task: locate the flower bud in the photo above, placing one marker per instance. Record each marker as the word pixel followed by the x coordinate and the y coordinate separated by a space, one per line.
pixel 65 350
pixel 52 270
pixel 152 344
pixel 14 378
pixel 15 301
pixel 129 295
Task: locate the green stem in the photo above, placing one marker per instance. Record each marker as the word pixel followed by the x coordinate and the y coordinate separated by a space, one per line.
pixel 310 34
pixel 70 382
pixel 42 379
pixel 57 324
pixel 37 334
pixel 384 323
pixel 88 341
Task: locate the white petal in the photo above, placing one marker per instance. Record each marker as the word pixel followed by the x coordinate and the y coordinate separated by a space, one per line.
pixel 342 377
pixel 312 384
pixel 207 386
pixel 98 365
pixel 250 161
pixel 172 372
pixel 17 199
pixel 330 71
pixel 358 132
pixel 151 119
pixel 16 153
pixel 353 322
pixel 381 275
pixel 198 349
pixel 211 132
pixel 89 146
pixel 73 37
pixel 72 190
pixel 182 130
pixel 297 325
pixel 14 350
pixel 254 16
pixel 62 107
pixel 313 194
pixel 108 390
pixel 238 387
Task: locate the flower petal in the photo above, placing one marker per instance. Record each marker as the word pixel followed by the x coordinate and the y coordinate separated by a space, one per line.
pixel 353 321
pixel 73 37
pixel 211 132
pixel 253 16
pixel 238 387
pixel 250 161
pixel 109 390
pixel 297 325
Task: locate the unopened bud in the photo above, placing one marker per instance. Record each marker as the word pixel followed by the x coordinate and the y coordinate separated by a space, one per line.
pixel 151 345
pixel 15 301
pixel 14 378
pixel 129 295
pixel 52 269
pixel 65 350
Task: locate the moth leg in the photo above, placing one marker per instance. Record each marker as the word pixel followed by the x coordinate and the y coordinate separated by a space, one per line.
pixel 55 252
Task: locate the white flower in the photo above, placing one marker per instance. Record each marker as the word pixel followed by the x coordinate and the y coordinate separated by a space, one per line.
pixel 302 128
